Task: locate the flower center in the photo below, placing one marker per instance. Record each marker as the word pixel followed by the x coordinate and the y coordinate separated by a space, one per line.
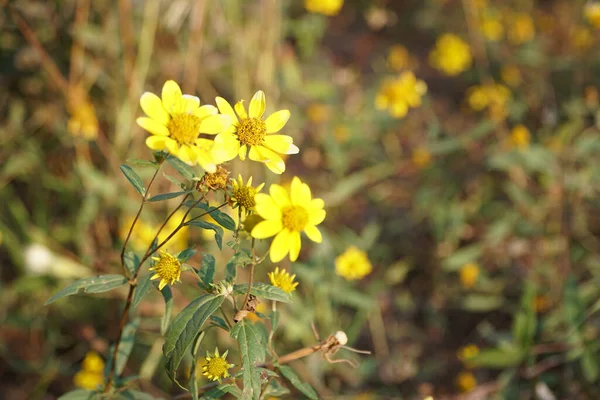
pixel 294 218
pixel 251 131
pixel 244 195
pixel 184 127
pixel 217 367
pixel 168 268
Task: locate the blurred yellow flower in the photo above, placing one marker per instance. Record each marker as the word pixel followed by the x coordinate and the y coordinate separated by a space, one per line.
pixel 520 28
pixel 401 93
pixel 83 121
pixel 469 273
pixel 216 366
pixel 451 55
pixel 251 135
pixel 318 113
pixel 491 27
pixel 287 214
pixel 341 133
pixel 466 381
pixel 399 58
pixel 243 196
pixel 493 97
pixel 421 157
pixel 167 268
pixel 582 38
pixel 520 137
pixel 260 308
pixel 176 121
pixel 325 7
pixel 511 75
pixel 92 372
pixel 467 352
pixel 353 264
pixel 283 280
pixel 591 11
pixel 143 233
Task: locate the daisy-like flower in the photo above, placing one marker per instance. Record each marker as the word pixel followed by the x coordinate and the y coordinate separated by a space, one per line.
pixel 167 268
pixel 244 195
pixel 451 55
pixel 286 215
pixel 251 135
pixel 353 264
pixel 400 94
pixel 215 366
pixel 176 120
pixel 91 374
pixel 283 280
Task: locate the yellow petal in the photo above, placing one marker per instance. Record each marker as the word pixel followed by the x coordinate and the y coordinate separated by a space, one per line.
pixel 214 124
pixel 257 105
pixel 276 167
pixel 242 152
pixel 266 229
pixel 187 155
pixel 162 284
pixel 316 217
pixel 280 246
pixel 280 195
pixel 205 160
pixel 313 233
pixel 153 107
pixel 294 245
pixel 158 143
pixel 225 108
pixel 274 163
pixel 205 111
pixel 240 109
pixel 152 126
pixel 277 120
pixel 282 144
pixel 317 204
pixel 190 103
pixel 254 155
pixel 226 147
pixel 172 97
pixel 300 192
pixel 266 207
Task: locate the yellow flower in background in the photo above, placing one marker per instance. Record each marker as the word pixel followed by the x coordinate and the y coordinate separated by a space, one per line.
pixel 283 280
pixel 582 38
pixel 167 268
pixel 83 121
pixel 421 157
pixel 491 27
pixel 466 381
pixel 591 11
pixel 143 233
pixel 467 352
pixel 493 97
pixel 520 137
pixel 469 273
pixel 244 195
pixel 511 75
pixel 287 214
pixel 216 366
pixel 92 372
pixel 399 94
pixel 318 113
pixel 399 58
pixel 251 135
pixel 176 120
pixel 353 264
pixel 325 7
pixel 520 28
pixel 260 308
pixel 451 55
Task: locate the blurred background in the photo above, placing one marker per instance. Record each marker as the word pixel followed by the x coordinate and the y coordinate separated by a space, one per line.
pixel 455 143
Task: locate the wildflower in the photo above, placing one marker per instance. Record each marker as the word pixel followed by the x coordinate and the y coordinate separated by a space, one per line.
pixel 591 11
pixel 143 233
pixel 167 268
pixel 283 280
pixel 260 308
pixel 451 55
pixel 491 27
pixel 175 122
pixel 243 196
pixel 466 381
pixel 511 75
pixel 325 7
pixel 353 264
pixel 318 113
pixel 469 274
pixel 493 97
pixel 399 58
pixel 521 28
pixel 520 137
pixel 83 121
pixel 467 352
pixel 250 132
pixel 216 367
pixel 92 372
pixel 214 181
pixel 582 38
pixel 401 93
pixel 341 133
pixel 287 214
pixel 421 157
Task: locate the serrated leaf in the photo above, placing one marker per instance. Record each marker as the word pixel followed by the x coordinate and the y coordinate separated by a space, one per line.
pixel 168 297
pixel 186 254
pixel 79 394
pixel 289 374
pixel 166 196
pixel 252 351
pixel 207 269
pixel 185 328
pixel 141 290
pixel 97 284
pixel 132 262
pixel 223 219
pixel 207 225
pixel 134 179
pixel 264 291
pixel 185 170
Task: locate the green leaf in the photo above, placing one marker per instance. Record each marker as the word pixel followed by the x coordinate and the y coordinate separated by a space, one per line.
pixel 294 379
pixel 462 256
pixel 573 305
pixel 274 320
pixel 252 350
pixel 525 322
pixel 207 270
pixel 221 391
pixel 240 259
pixel 185 170
pixel 126 345
pixel 166 196
pixel 97 284
pixel 132 262
pixel 482 302
pixel 223 219
pixel 134 178
pixel 185 327
pixel 141 290
pixel 207 225
pixel 143 163
pixel 498 357
pixel 79 394
pixel 264 291
pixel 220 322
pixel 589 366
pixel 164 321
pixel 193 382
pixel 186 254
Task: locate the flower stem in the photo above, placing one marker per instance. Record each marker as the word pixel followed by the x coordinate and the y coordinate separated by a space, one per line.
pixel 250 278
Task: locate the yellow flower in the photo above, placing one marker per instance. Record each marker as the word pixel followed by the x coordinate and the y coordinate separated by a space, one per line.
pixel 511 75
pixel 353 264
pixel 143 233
pixel 520 137
pixel 467 352
pixel 283 280
pixel 469 274
pixel 399 94
pixel 244 195
pixel 92 362
pixel 92 372
pixel 399 58
pixel 287 214
pixel 341 134
pixel 83 121
pixel 250 132
pixel 261 308
pixel 167 268
pixel 582 38
pixel 491 27
pixel 325 7
pixel 591 11
pixel 175 122
pixel 216 367
pixel 451 55
pixel 466 381
pixel 421 157
pixel 493 97
pixel 521 28
pixel 317 113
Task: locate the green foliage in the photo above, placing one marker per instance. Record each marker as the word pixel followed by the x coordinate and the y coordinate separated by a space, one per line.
pixel 207 225
pixel 97 284
pixel 252 351
pixel 303 387
pixel 134 179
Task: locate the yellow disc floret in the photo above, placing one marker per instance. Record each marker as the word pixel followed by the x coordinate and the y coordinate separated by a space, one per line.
pixel 167 268
pixel 184 127
pixel 215 366
pixel 252 131
pixel 243 195
pixel 283 280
